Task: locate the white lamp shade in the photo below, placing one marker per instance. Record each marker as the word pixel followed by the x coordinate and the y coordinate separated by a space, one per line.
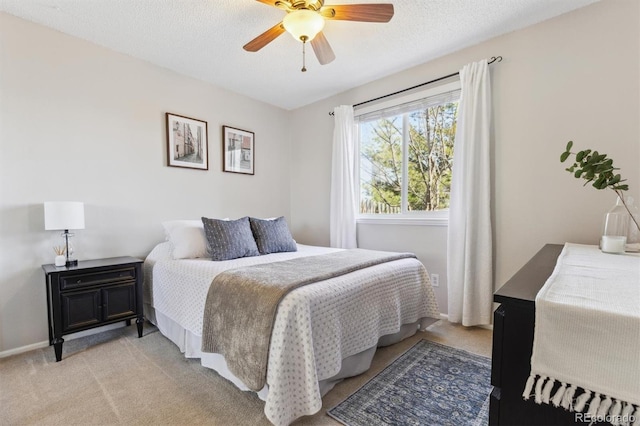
pixel 63 215
pixel 303 23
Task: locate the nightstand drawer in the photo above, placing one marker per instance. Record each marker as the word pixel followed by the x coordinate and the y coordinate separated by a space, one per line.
pixel 88 279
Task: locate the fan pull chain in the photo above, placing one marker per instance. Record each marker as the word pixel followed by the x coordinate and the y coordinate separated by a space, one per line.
pixel 304 43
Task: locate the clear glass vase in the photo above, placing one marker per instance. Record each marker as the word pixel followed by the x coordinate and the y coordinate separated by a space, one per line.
pixel 633 233
pixel 616 226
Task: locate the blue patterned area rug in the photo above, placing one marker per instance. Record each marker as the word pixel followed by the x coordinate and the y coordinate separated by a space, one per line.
pixel 430 384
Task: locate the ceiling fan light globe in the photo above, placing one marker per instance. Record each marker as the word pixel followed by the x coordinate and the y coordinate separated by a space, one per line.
pixel 303 24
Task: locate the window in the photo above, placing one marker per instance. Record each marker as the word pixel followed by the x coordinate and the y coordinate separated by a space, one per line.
pixel 406 155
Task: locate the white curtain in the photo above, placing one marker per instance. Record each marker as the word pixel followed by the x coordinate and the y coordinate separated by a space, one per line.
pixel 470 251
pixel 343 198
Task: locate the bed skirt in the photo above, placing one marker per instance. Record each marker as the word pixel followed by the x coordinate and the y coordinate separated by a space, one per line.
pixel 190 344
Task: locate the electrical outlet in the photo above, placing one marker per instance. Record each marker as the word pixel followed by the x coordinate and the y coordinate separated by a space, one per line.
pixel 435 280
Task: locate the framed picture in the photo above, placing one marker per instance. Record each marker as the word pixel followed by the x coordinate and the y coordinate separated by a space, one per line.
pixel 187 142
pixel 238 150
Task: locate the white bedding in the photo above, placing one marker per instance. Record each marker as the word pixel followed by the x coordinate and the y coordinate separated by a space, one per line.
pixel 316 326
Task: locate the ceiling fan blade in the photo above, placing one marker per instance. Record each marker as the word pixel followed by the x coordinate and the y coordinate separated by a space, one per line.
pixel 265 38
pixel 377 12
pixel 322 49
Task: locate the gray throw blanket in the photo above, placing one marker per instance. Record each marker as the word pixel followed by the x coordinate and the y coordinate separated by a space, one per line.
pixel 241 305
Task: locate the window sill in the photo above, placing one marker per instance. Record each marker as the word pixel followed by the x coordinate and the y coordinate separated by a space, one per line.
pixel 416 221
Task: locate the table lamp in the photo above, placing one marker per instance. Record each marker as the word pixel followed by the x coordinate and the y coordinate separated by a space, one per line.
pixel 64 215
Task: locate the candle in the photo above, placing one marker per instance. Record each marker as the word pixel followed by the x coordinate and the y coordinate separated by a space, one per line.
pixel 613 244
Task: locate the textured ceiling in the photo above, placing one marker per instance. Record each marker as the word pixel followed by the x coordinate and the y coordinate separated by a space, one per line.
pixel 204 38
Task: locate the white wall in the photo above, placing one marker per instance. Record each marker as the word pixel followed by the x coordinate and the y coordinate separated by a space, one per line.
pixel 82 123
pixel 573 77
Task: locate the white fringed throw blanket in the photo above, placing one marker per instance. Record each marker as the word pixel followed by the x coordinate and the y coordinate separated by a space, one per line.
pixel 586 346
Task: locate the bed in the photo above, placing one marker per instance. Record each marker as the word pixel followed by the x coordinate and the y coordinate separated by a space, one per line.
pixel 322 332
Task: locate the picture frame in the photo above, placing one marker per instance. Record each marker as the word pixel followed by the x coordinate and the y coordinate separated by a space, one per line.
pixel 187 142
pixel 238 150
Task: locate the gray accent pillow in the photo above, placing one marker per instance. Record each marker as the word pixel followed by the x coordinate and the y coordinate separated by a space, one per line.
pixel 272 236
pixel 229 239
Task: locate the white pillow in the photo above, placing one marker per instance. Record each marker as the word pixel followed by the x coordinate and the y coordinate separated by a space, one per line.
pixel 170 225
pixel 187 238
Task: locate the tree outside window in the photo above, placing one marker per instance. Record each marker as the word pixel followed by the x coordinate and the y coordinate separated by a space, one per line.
pixel 415 147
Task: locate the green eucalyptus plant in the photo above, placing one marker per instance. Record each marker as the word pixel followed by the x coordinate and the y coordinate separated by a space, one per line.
pixel 598 170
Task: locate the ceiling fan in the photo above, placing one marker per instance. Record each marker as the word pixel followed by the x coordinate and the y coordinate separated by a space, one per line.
pixel 305 21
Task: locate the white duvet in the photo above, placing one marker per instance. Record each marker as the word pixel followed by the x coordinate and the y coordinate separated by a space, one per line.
pixel 317 325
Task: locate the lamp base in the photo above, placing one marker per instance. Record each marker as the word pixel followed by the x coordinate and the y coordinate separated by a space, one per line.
pixel 71 262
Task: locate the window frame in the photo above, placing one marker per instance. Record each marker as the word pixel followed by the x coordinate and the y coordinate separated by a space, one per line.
pixel 426 218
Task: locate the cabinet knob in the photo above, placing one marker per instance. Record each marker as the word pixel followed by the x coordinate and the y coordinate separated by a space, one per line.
pixel 79 282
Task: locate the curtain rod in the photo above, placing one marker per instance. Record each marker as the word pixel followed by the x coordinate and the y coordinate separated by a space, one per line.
pixel 489 62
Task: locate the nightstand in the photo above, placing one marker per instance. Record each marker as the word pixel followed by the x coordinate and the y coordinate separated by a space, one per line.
pixel 92 294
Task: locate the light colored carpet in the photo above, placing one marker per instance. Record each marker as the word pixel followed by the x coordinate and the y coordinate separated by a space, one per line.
pixel 115 378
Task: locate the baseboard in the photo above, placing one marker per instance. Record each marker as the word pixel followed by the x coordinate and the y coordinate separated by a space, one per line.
pixel 487 326
pixel 44 344
pixel 23 349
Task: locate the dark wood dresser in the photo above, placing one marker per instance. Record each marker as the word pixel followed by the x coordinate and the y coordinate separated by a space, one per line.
pixel 513 324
